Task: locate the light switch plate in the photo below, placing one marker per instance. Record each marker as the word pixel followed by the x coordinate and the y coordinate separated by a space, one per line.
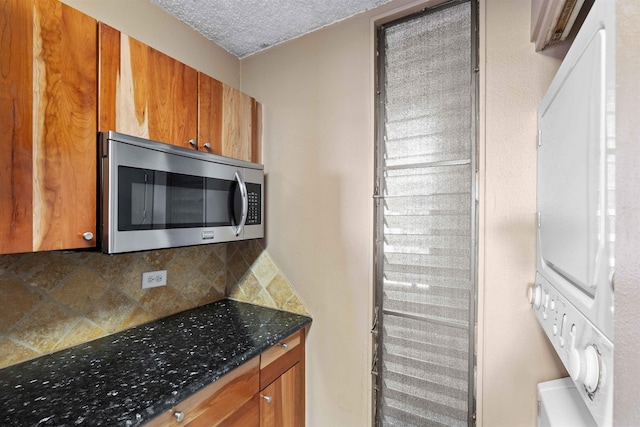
pixel 152 279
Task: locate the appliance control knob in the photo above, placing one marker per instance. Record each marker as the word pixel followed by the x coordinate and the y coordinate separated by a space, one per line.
pixel 535 295
pixel 584 367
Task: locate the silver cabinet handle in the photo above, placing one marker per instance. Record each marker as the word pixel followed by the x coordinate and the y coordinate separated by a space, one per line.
pixel 193 143
pixel 285 345
pixel 207 145
pixel 179 415
pixel 267 399
pixel 87 236
pixel 245 203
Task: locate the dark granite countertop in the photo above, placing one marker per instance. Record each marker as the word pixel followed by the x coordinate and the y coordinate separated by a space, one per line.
pixel 128 378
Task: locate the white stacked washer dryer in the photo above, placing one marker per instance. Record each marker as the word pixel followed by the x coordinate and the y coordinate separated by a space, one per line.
pixel 573 294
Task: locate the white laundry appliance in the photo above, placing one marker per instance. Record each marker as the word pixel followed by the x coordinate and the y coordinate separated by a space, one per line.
pixel 573 294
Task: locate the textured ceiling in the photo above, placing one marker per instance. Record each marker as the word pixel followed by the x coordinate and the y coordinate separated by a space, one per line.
pixel 244 27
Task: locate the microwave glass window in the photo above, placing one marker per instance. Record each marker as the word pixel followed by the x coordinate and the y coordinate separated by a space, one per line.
pixel 184 200
pixel 218 208
pixel 155 200
pixel 136 198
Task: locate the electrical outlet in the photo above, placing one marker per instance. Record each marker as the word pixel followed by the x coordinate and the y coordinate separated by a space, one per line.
pixel 152 279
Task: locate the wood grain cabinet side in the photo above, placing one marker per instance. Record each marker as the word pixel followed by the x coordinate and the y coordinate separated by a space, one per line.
pixel 48 104
pixel 282 383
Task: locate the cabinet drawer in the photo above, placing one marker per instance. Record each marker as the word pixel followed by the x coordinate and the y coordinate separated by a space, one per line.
pixel 218 403
pixel 279 358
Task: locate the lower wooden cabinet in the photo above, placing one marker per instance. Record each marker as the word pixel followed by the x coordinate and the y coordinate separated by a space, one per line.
pixel 282 383
pixel 230 401
pixel 268 390
pixel 281 404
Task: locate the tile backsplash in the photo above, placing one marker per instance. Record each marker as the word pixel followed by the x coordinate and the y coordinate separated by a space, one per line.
pixel 54 300
pixel 253 277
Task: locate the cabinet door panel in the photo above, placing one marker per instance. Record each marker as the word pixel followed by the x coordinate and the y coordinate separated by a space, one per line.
pixel 236 123
pixel 280 405
pixel 16 79
pixel 228 120
pixel 209 114
pixel 64 140
pixel 48 116
pixel 144 92
pixel 109 63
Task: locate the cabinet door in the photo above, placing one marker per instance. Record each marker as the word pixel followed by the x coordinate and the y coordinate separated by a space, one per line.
pixel 280 405
pixel 144 92
pixel 228 120
pixel 16 143
pixel 48 117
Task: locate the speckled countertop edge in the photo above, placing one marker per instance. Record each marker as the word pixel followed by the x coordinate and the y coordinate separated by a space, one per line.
pixel 128 378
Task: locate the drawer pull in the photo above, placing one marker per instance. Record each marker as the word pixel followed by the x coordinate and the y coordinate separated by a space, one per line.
pixel 179 415
pixel 267 398
pixel 285 345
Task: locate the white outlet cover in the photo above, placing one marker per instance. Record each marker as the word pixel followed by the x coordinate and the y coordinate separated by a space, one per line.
pixel 153 279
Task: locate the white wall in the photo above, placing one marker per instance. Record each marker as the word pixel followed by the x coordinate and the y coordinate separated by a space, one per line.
pixel 627 316
pixel 317 151
pixel 515 354
pixel 151 25
pixel 317 93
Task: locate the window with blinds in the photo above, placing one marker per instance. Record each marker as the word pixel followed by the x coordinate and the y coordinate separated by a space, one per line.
pixel 426 219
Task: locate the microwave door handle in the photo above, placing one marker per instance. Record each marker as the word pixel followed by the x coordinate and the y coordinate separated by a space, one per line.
pixel 245 203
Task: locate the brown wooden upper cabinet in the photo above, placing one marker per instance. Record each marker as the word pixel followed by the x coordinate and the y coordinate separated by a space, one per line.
pixel 48 119
pixel 146 93
pixel 228 120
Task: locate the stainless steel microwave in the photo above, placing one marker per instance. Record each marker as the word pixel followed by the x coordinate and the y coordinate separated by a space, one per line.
pixel 155 195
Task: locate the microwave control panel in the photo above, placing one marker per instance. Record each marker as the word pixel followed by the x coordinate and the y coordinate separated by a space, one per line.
pixel 254 211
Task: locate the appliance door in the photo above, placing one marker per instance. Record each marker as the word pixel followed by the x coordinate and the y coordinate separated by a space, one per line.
pixel 576 172
pixel 151 199
pixel 160 200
